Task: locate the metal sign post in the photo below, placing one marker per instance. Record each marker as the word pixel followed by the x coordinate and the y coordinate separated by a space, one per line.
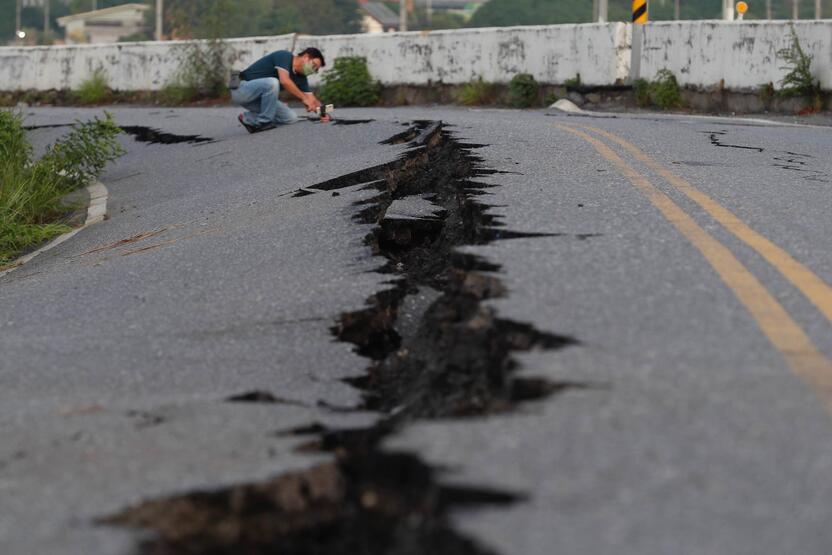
pixel 639 19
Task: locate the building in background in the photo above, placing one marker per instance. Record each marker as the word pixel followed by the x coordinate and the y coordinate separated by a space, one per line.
pixel 378 18
pixel 106 25
pixel 465 8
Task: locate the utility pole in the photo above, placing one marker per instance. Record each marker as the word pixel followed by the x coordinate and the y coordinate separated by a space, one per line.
pixel 402 15
pixel 160 7
pixel 600 9
pixel 728 10
pixel 677 10
pixel 818 10
pixel 17 20
pixel 768 9
pixel 795 9
pixel 45 20
pixel 430 13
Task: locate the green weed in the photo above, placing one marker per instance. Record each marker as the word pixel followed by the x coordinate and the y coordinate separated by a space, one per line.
pixel 31 190
pixel 799 80
pixel 203 72
pixel 664 90
pixel 94 90
pixel 573 83
pixel 551 98
pixel 641 90
pixel 767 92
pixel 476 93
pixel 523 91
pixel 349 83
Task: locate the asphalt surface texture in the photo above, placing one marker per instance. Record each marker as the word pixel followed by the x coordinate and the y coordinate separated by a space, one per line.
pixel 694 429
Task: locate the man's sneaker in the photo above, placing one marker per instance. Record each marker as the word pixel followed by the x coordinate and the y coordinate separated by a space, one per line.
pixel 255 128
pixel 249 128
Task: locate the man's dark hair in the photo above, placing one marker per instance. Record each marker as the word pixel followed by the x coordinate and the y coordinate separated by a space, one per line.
pixel 314 53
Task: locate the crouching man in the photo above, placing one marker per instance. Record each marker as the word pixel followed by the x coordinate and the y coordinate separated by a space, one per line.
pixel 261 82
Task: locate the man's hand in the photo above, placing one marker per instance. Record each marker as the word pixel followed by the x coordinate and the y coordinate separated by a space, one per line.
pixel 312 104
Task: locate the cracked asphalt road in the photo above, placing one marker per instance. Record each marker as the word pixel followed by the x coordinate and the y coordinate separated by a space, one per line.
pixel 694 435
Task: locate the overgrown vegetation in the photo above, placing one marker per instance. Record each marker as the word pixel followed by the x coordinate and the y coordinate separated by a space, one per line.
pixel 523 91
pixel 476 93
pixel 767 92
pixel 799 81
pixel 663 92
pixel 574 82
pixel 641 91
pixel 551 98
pixel 204 65
pixel 349 83
pixel 202 73
pixel 31 191
pixel 94 90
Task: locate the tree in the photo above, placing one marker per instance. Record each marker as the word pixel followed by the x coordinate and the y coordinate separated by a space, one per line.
pixel 222 18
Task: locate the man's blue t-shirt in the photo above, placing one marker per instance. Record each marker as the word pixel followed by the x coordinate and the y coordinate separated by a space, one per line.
pixel 267 67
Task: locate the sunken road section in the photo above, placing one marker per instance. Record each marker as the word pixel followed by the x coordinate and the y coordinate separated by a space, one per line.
pixel 434 348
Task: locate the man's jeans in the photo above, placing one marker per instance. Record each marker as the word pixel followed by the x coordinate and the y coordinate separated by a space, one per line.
pixel 259 97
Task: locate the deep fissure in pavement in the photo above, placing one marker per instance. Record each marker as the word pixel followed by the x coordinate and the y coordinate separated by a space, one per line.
pixel 435 350
pixel 140 133
pixel 155 136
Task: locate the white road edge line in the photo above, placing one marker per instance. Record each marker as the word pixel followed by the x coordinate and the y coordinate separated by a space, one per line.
pixel 96 211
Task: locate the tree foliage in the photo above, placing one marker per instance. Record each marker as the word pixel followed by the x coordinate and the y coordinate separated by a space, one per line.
pixel 501 13
pixel 221 18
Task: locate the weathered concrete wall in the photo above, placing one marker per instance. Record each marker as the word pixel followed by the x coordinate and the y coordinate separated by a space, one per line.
pixel 740 55
pixel 552 53
pixel 129 66
pixel 743 55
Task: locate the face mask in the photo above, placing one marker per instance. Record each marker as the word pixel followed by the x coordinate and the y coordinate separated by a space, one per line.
pixel 308 69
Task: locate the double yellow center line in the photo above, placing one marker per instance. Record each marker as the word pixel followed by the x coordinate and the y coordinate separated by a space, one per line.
pixel 801 354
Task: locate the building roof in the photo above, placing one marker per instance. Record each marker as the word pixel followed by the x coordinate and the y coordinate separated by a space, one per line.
pixel 62 21
pixel 381 13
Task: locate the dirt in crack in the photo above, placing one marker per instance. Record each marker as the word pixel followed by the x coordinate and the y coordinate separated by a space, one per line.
pixel 435 350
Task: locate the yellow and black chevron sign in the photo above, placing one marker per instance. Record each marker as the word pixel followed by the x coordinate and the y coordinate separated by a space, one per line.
pixel 640 11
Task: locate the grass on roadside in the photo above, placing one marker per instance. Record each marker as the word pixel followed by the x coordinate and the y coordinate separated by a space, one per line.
pixel 476 93
pixel 31 190
pixel 94 90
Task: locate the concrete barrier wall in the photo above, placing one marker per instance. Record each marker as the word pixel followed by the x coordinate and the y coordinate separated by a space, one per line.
pixel 740 55
pixel 129 66
pixel 552 53
pixel 743 55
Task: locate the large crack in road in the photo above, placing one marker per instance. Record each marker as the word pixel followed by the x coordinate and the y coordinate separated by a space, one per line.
pixel 435 349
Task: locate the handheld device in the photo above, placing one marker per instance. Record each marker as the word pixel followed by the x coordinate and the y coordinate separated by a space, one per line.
pixel 323 111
